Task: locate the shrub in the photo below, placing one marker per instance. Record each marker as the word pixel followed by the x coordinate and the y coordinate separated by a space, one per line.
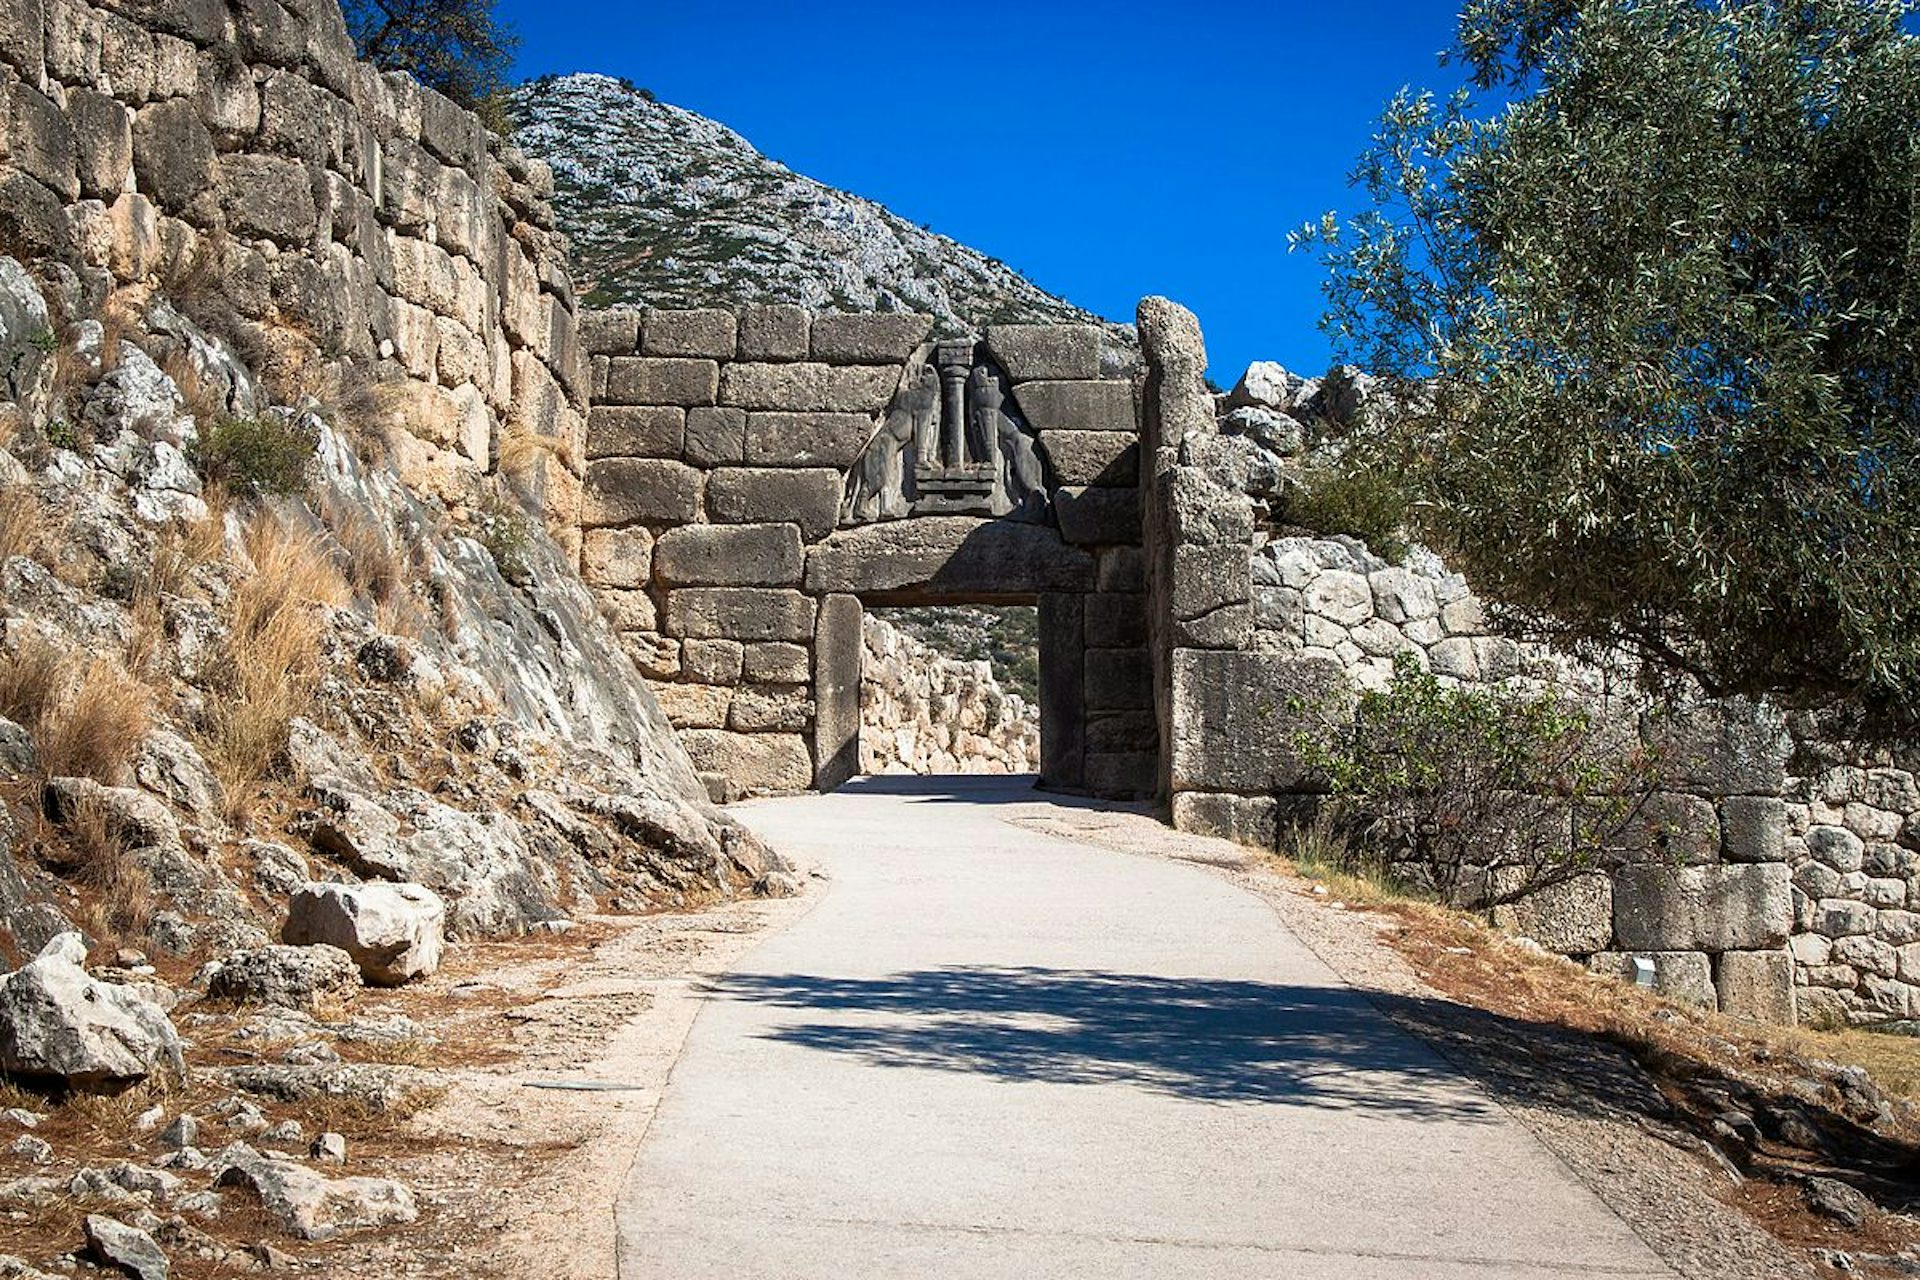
pixel 1362 502
pixel 1481 795
pixel 254 456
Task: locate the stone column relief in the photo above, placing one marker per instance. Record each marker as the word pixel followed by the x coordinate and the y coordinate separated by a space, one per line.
pixel 952 443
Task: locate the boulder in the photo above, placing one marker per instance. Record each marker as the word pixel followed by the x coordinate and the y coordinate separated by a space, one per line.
pixel 126 1249
pixel 296 977
pixel 310 1204
pixel 57 1023
pixel 394 932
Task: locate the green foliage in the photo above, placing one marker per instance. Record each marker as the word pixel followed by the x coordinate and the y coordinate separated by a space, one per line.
pixel 1656 309
pixel 1362 501
pixel 459 47
pixel 251 457
pixel 1480 794
pixel 61 434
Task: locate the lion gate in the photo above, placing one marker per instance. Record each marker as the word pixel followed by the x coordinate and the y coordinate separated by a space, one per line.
pixel 754 479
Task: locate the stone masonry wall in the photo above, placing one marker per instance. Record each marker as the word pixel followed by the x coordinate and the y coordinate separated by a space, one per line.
pixel 722 531
pixel 1853 844
pixel 923 712
pixel 1254 629
pixel 356 224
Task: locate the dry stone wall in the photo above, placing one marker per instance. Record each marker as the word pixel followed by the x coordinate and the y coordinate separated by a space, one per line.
pixel 753 476
pixel 1256 631
pixel 923 712
pixel 1853 845
pixel 350 221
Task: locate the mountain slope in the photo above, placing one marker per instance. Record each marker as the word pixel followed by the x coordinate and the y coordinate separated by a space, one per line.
pixel 670 209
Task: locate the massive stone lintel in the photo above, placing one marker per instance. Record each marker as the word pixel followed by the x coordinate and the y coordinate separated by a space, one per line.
pixel 949 556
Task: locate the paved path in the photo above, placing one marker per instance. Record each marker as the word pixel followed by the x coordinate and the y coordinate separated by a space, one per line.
pixel 993 1053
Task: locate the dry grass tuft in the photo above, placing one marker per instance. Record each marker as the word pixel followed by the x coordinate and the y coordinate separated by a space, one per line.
pixel 86 715
pixel 93 728
pixel 30 679
pixel 375 568
pixel 98 857
pixel 271 665
pixel 23 524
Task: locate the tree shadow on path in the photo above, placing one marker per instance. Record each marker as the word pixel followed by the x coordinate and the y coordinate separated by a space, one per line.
pixel 1208 1040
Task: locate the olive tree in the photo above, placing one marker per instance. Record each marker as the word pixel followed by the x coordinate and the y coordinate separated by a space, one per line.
pixel 1650 280
pixel 458 47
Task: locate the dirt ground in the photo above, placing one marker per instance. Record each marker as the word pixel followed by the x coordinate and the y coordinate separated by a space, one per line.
pixel 539 1064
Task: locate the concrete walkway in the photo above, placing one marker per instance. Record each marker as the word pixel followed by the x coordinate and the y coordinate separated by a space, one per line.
pixel 993 1053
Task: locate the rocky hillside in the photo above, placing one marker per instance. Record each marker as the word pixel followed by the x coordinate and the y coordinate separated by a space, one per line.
pixel 668 208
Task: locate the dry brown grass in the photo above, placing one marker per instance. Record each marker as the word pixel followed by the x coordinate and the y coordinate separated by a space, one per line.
pixel 23 524
pixel 99 858
pixel 270 666
pixel 86 715
pixel 30 679
pixel 92 729
pixel 375 568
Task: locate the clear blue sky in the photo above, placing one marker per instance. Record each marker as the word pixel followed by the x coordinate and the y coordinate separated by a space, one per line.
pixel 1109 150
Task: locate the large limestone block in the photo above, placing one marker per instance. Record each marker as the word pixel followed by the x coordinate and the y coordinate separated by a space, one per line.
pixel 800 388
pixel 861 388
pixel 752 763
pixel 775 332
pixel 1726 748
pixel 838 655
pixel 172 154
pixel 776 661
pixel 756 495
pixel 1098 517
pixel 776 439
pixel 1686 976
pixel 1077 406
pixel 1119 680
pixel 1206 579
pixel 622 491
pixel 663 380
pixel 709 333
pixel 296 977
pixel 394 932
pixel 103 133
pixel 1756 985
pixel 716 436
pixel 1121 775
pixel 868 338
pixel 1673 828
pixel 1249 820
pixel 56 1023
pixel 1573 918
pixel 740 613
pixel 1063 694
pixel 635 431
pixel 1717 908
pixel 1101 459
pixel 611 332
pixel 720 555
pixel 267 197
pixel 951 554
pixel 1046 352
pixel 40 140
pixel 1238 716
pixel 1754 828
pixel 694 706
pixel 1116 620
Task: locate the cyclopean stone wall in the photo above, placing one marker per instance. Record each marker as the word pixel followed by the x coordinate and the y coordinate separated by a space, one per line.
pixel 926 713
pixel 1256 633
pixel 754 476
pixel 1853 843
pixel 353 223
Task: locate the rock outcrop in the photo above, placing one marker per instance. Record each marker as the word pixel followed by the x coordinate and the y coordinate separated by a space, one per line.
pixel 393 932
pixel 61 1026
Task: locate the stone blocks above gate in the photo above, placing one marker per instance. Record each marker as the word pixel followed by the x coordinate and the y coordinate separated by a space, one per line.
pixel 754 477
